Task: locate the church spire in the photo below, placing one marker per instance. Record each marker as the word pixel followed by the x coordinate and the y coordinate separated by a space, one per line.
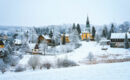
pixel 88 24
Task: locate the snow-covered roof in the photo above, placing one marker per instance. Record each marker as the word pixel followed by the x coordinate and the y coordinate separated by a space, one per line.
pixel 65 34
pixel 17 41
pixel 119 35
pixel 85 32
pixel 46 36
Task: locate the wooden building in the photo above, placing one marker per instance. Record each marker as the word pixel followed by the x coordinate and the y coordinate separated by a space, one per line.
pixel 86 35
pixel 44 37
pixel 117 39
pixel 67 40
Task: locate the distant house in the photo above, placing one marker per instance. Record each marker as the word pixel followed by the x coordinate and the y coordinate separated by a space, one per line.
pixel 86 35
pixel 67 40
pixel 4 37
pixel 17 42
pixel 117 39
pixel 44 37
pixel 34 48
pixel 1 44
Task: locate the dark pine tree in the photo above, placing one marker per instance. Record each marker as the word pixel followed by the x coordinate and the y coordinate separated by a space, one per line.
pixel 51 34
pixel 74 27
pixel 103 33
pixel 111 31
pixel 93 31
pixel 126 42
pixel 78 28
pixel 112 28
pixel 63 40
pixel 88 24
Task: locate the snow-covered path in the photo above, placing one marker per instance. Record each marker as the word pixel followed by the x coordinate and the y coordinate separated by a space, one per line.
pixel 114 71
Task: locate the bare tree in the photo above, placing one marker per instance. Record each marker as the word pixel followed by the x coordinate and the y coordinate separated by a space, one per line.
pixel 43 46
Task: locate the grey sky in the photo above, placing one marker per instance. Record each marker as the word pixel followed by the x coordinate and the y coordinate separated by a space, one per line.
pixel 48 12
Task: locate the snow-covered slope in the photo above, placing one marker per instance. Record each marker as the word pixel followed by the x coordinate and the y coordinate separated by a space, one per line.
pixel 114 71
pixel 82 52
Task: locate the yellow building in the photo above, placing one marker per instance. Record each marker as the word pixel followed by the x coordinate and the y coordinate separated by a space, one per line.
pixel 66 38
pixel 85 36
pixel 1 44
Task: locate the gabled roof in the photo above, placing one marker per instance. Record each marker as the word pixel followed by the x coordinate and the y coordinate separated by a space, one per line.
pixel 46 36
pixel 119 35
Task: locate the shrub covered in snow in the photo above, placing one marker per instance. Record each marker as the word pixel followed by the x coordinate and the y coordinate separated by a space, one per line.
pixel 34 62
pixel 2 66
pixel 65 63
pixel 90 56
pixel 20 68
pixel 47 65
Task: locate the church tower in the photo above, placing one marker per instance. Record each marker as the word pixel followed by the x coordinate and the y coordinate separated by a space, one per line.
pixel 88 25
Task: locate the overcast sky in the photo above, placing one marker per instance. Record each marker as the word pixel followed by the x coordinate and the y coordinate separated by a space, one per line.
pixel 54 12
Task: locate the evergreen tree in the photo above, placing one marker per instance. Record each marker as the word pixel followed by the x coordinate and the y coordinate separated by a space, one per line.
pixel 103 33
pixel 51 34
pixel 78 28
pixel 88 24
pixel 111 31
pixel 112 28
pixel 63 40
pixel 109 35
pixel 74 27
pixel 126 42
pixel 93 32
pixel 106 31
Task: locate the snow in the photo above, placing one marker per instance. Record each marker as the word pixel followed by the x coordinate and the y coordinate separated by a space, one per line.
pixel 65 34
pixel 46 36
pixel 81 53
pixel 17 41
pixel 119 35
pixel 114 71
pixel 32 45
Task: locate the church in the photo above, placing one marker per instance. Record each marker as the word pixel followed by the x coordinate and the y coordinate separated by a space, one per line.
pixel 86 34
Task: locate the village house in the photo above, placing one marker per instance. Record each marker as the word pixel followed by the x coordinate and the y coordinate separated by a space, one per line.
pixel 117 39
pixel 44 37
pixel 67 40
pixel 34 48
pixel 17 42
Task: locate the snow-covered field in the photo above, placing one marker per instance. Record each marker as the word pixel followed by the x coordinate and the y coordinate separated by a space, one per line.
pixel 80 54
pixel 113 71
